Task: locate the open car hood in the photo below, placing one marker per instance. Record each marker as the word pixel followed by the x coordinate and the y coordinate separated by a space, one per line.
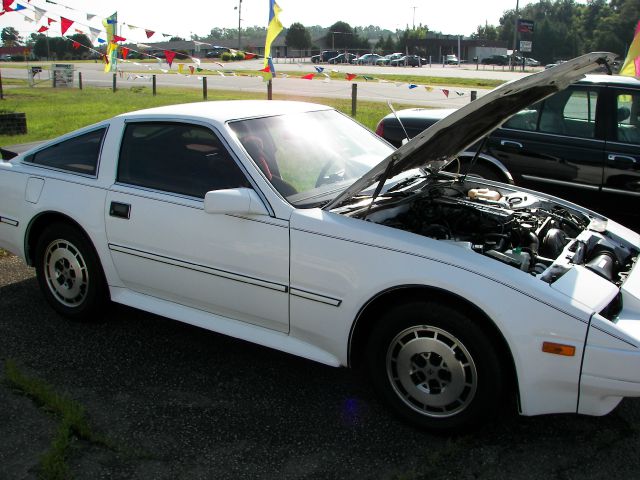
pixel 438 145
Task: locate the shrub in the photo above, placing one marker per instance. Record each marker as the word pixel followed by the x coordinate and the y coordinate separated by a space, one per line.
pixel 226 56
pixel 239 56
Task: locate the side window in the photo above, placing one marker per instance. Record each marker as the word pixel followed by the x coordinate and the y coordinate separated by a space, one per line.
pixel 78 154
pixel 627 121
pixel 526 119
pixel 177 158
pixel 570 112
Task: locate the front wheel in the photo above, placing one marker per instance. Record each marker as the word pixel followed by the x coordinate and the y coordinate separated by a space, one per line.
pixel 434 366
pixel 69 272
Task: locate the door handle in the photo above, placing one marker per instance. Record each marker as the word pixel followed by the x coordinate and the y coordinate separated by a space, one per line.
pixel 612 157
pixel 120 210
pixel 510 143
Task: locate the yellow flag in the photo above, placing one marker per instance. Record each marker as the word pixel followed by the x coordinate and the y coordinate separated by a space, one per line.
pixel 111 55
pixel 181 68
pixel 631 66
pixel 274 28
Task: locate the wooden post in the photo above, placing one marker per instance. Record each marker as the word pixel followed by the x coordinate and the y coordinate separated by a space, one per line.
pixel 270 90
pixel 153 85
pixel 114 83
pixel 354 99
pixel 80 80
pixel 1 92
pixel 204 87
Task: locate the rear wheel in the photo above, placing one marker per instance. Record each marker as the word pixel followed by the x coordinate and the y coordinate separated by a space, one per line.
pixel 434 366
pixel 69 272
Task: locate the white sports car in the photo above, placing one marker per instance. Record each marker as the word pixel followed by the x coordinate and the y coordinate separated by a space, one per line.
pixel 289 225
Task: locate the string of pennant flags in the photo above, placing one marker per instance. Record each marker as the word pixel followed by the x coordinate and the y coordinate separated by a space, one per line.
pixel 44 17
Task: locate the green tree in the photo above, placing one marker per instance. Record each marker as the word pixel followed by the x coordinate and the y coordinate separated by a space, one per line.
pixel 10 37
pixel 298 37
pixel 486 32
pixel 341 36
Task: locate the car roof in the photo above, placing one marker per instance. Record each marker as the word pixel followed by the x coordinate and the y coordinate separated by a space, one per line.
pixel 620 80
pixel 224 111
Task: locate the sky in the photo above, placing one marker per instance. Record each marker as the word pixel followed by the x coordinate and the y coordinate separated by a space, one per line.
pixel 457 17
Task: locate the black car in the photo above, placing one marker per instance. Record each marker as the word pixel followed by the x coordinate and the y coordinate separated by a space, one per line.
pixel 217 51
pixel 582 144
pixel 325 56
pixel 408 61
pixel 343 58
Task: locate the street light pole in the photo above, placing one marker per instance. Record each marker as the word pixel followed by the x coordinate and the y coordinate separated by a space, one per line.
pixel 515 36
pixel 239 27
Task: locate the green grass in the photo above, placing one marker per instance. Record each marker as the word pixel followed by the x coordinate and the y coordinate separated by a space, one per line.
pixel 53 112
pixel 73 421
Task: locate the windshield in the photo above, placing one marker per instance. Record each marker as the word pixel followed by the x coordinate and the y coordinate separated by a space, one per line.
pixel 310 157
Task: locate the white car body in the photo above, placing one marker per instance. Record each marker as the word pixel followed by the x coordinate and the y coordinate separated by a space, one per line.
pixel 304 280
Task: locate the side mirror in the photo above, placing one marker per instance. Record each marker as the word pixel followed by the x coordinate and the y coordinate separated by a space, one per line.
pixel 239 201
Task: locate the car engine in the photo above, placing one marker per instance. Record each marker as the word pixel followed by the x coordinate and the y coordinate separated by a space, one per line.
pixel 518 229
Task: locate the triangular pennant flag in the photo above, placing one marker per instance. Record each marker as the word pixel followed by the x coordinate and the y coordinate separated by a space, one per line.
pixel 29 20
pixel 446 92
pixel 118 38
pixel 309 76
pixel 76 45
pixel 181 68
pixel 169 55
pixel 39 13
pixel 366 78
pixel 94 32
pixel 102 40
pixel 192 69
pixel 149 33
pixel 460 94
pixel 19 7
pixel 125 52
pixel 319 69
pixel 50 20
pixel 6 5
pixel 65 23
pixel 90 16
pixel 43 29
pixel 167 35
pixel 77 30
pixel 428 88
pixel 132 27
pixel 412 86
pixel 350 76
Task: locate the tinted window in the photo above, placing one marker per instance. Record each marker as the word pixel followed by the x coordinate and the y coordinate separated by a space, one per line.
pixel 571 112
pixel 78 154
pixel 178 158
pixel 627 121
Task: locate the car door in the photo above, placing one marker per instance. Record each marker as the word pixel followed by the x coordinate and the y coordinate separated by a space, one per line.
pixel 621 185
pixel 556 146
pixel 165 245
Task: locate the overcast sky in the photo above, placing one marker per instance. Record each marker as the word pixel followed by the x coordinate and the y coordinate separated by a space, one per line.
pixel 199 16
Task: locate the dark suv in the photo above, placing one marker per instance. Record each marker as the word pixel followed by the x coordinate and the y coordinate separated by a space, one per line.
pixel 325 56
pixel 582 144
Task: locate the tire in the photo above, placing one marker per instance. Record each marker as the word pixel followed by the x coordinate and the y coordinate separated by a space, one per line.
pixel 434 367
pixel 69 273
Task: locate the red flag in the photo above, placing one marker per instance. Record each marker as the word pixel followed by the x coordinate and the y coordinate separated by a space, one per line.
pixel 43 29
pixel 65 23
pixel 118 38
pixel 149 33
pixel 50 20
pixel 169 55
pixel 309 76
pixel 125 52
pixel 265 69
pixel 76 45
pixel 6 5
pixel 446 92
pixel 351 76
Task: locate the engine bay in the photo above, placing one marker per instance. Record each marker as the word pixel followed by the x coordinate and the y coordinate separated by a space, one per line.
pixel 532 234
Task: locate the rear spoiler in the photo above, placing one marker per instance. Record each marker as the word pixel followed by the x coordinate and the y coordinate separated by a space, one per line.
pixel 11 151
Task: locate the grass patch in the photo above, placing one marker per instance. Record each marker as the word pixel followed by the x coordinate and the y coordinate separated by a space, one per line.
pixel 73 422
pixel 53 112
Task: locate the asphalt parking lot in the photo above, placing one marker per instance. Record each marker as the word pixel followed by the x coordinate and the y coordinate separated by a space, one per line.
pixel 175 401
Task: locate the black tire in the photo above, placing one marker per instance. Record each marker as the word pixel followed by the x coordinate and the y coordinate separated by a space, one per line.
pixel 435 367
pixel 69 273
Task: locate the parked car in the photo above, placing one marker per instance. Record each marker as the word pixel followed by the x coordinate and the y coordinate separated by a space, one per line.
pixel 531 62
pixel 324 56
pixel 496 60
pixel 582 143
pixel 368 59
pixel 5 57
pixel 408 61
pixel 388 58
pixel 451 60
pixel 343 58
pixel 449 290
pixel 217 51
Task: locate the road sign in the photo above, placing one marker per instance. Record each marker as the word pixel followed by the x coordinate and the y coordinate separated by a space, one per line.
pixel 525 46
pixel 525 26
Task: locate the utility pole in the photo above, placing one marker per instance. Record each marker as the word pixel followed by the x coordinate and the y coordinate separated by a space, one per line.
pixel 414 17
pixel 515 37
pixel 239 8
